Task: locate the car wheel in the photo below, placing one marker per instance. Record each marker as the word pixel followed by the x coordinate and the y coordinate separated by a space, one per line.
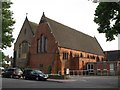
pixel 25 78
pixel 3 76
pixel 37 78
pixel 45 79
pixel 19 77
pixel 11 76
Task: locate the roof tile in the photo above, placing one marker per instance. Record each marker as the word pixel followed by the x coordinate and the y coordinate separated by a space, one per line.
pixel 71 38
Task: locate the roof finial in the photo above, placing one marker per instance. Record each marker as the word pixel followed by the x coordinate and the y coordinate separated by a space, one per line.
pixel 26 14
pixel 43 18
pixel 43 14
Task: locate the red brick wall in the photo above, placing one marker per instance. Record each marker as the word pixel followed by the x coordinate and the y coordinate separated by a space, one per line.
pixel 74 62
pixel 104 65
pixel 51 58
pixel 46 59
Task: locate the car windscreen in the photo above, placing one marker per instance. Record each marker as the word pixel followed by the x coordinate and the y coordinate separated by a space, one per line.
pixel 10 69
pixel 27 71
pixel 37 71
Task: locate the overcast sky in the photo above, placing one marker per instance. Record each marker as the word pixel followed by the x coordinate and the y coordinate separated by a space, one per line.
pixel 77 14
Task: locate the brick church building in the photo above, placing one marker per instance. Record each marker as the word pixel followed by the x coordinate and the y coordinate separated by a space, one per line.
pixel 23 42
pixel 55 47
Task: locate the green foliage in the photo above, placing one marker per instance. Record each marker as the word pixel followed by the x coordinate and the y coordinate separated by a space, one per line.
pixel 107 16
pixel 7 23
pixel 2 56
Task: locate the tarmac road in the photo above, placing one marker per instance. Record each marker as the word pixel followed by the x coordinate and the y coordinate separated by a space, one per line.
pixel 74 82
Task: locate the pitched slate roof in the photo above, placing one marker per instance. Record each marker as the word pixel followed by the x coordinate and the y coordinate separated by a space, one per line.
pixel 33 26
pixel 73 39
pixel 112 55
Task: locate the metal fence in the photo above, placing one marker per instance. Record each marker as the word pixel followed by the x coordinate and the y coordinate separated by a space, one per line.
pixel 93 72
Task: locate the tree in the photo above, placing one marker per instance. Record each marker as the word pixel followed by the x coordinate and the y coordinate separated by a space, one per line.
pixel 2 57
pixel 107 16
pixel 7 23
pixel 6 37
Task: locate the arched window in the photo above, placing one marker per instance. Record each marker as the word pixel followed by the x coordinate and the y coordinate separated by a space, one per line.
pixel 65 56
pixel 42 44
pixel 46 42
pixel 81 55
pixel 97 59
pixel 71 55
pixel 23 49
pixel 102 59
pixel 93 57
pixel 38 45
pixel 87 56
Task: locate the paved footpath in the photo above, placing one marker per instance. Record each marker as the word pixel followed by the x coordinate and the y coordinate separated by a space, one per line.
pixel 86 78
pixel 62 80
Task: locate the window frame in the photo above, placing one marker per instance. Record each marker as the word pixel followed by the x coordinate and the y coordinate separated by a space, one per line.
pixel 42 44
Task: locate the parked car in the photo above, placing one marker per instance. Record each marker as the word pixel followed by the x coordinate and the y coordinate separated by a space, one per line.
pixel 12 73
pixel 34 74
pixel 2 70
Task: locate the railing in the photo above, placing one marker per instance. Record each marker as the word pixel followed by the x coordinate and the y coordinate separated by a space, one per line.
pixel 78 72
pixel 93 72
